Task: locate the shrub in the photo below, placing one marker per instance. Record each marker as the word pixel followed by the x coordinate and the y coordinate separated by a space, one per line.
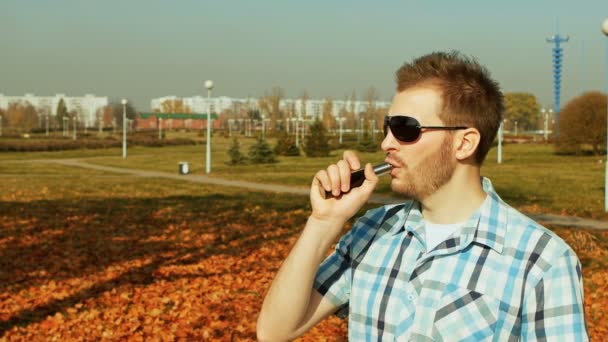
pixel 583 122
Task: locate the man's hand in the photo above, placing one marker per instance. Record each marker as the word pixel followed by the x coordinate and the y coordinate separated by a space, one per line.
pixel 345 201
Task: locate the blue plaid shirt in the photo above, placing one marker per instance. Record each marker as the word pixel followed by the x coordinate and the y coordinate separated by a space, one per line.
pixel 501 277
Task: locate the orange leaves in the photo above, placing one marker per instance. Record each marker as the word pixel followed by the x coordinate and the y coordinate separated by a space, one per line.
pixel 178 268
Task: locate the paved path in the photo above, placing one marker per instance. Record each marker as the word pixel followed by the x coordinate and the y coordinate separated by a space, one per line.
pixel 549 219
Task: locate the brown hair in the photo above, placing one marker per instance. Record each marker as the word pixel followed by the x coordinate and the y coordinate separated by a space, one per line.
pixel 470 97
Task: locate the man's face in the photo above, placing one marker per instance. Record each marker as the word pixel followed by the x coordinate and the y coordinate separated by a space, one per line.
pixel 423 166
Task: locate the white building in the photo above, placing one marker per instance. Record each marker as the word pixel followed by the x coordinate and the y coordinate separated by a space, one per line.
pixel 86 105
pixel 199 104
pixel 309 109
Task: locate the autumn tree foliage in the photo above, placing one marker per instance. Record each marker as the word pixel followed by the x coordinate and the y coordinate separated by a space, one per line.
pixel 270 104
pixel 286 145
pixel 105 114
pixel 582 124
pixel 21 117
pixel 317 143
pixel 174 106
pixel 329 121
pixel 522 108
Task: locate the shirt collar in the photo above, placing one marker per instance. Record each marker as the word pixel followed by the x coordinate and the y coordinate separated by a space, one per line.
pixel 486 226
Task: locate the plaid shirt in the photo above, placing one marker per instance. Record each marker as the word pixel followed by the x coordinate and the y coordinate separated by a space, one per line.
pixel 502 277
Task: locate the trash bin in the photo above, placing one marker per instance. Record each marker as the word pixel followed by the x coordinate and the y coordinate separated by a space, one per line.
pixel 183 168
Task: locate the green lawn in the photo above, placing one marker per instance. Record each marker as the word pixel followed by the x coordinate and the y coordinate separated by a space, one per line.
pixel 531 177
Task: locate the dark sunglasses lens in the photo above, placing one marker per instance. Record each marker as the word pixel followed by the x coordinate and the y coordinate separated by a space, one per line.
pixel 404 128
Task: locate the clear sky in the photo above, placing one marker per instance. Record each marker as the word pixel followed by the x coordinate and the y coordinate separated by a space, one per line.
pixel 142 49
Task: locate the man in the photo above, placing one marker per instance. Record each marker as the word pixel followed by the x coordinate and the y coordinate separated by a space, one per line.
pixel 454 262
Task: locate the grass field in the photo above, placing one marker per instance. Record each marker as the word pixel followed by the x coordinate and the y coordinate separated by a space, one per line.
pixel 531 176
pixel 96 255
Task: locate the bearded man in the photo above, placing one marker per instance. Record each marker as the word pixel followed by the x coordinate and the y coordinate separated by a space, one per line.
pixel 453 262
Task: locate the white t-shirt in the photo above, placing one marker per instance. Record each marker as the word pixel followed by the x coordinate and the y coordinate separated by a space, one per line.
pixel 438 233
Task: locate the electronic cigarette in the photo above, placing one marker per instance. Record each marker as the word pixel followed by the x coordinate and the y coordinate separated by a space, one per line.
pixel 357 177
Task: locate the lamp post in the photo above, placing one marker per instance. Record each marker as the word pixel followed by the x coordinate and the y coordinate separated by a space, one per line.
pixel 605 31
pixel 263 127
pixel 499 154
pixel 209 86
pixel 341 120
pixel 47 123
pixel 160 128
pixel 65 127
pixel 297 140
pixel 74 119
pixel 124 128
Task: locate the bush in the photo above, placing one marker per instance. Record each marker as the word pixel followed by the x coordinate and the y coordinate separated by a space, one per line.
pixel 261 153
pixel 61 144
pixel 286 146
pixel 582 122
pixel 236 157
pixel 317 143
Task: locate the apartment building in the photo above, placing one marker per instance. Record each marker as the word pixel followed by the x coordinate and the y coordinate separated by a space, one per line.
pixel 86 105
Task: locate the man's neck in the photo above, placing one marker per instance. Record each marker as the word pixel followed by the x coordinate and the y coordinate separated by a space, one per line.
pixel 457 200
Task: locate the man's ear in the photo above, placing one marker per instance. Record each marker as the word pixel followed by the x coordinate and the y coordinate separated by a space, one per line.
pixel 466 142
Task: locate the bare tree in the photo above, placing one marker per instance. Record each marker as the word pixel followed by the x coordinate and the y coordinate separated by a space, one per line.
pixel 270 104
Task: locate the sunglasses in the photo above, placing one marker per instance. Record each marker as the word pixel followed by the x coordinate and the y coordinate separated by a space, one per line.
pixel 408 129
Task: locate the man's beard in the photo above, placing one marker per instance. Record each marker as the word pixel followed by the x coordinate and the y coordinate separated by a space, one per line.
pixel 430 175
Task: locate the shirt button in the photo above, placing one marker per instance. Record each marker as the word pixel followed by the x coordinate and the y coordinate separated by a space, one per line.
pixel 410 297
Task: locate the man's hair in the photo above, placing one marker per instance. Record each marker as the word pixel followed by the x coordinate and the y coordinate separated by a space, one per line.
pixel 470 97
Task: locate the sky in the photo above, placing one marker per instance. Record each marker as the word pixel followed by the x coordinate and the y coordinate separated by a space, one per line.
pixel 144 49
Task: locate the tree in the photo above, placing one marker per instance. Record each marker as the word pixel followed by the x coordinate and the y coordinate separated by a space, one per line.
pixel 254 114
pixel 583 122
pixel 21 116
pixel 174 106
pixel 236 157
pixel 62 111
pixel 117 112
pixel 367 144
pixel 286 146
pixel 317 143
pixel 523 108
pixel 371 97
pixel 106 113
pixel 329 120
pixel 270 104
pixel 303 104
pixel 261 153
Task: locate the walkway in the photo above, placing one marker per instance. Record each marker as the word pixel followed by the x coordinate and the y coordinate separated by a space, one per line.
pixel 548 219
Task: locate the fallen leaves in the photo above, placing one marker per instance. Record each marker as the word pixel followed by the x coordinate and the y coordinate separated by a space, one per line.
pixel 179 268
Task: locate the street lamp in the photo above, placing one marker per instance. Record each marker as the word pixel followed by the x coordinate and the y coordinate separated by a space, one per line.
pixel 605 31
pixel 65 125
pixel 160 128
pixel 297 123
pixel 209 86
pixel 74 119
pixel 124 128
pixel 499 154
pixel 341 120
